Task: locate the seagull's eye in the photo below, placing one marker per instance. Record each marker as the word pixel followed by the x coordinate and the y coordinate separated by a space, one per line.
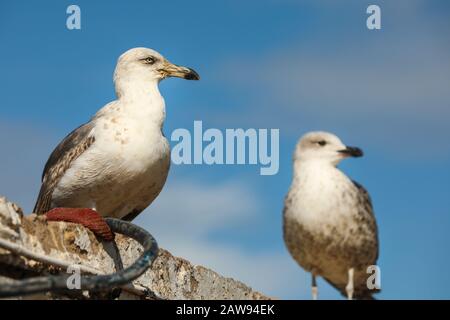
pixel 321 143
pixel 149 60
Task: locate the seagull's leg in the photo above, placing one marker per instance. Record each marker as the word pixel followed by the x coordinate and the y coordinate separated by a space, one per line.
pixel 350 288
pixel 314 288
pixel 89 218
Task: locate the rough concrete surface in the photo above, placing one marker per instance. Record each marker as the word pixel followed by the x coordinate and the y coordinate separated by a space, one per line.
pixel 169 277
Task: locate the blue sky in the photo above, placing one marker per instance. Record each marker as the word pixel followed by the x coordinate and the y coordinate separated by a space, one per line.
pixel 293 65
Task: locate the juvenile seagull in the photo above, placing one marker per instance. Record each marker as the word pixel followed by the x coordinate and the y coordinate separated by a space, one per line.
pixel 329 225
pixel 117 163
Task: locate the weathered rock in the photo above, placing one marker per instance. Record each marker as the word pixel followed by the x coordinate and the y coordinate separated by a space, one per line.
pixel 169 278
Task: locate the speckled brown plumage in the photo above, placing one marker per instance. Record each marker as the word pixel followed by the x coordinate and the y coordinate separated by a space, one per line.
pixel 328 222
pixel 353 244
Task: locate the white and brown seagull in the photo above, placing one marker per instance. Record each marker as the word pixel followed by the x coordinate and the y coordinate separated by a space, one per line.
pixel 329 224
pixel 117 163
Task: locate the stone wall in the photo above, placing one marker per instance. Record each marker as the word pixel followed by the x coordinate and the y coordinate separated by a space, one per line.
pixel 169 277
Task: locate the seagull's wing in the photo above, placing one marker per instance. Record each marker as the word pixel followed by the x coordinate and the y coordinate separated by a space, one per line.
pixel 367 218
pixel 69 149
pixel 366 213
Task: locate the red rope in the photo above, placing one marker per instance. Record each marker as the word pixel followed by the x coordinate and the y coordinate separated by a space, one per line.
pixel 89 218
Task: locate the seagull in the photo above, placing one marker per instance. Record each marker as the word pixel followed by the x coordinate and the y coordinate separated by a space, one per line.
pixel 116 164
pixel 328 222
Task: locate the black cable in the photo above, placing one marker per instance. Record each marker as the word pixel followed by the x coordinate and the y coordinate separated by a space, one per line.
pixel 93 282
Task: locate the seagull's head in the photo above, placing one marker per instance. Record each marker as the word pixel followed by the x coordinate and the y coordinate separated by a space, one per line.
pixel 324 146
pixel 147 65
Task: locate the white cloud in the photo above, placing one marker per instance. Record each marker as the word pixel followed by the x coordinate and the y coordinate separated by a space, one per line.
pixel 205 207
pixel 389 75
pixel 389 88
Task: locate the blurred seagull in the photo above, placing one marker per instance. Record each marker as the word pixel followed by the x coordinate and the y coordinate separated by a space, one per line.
pixel 329 225
pixel 117 163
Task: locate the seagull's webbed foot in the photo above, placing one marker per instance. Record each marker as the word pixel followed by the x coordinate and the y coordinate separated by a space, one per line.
pixel 89 218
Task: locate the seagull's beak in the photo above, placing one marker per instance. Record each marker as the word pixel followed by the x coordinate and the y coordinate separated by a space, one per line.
pixel 351 152
pixel 172 70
